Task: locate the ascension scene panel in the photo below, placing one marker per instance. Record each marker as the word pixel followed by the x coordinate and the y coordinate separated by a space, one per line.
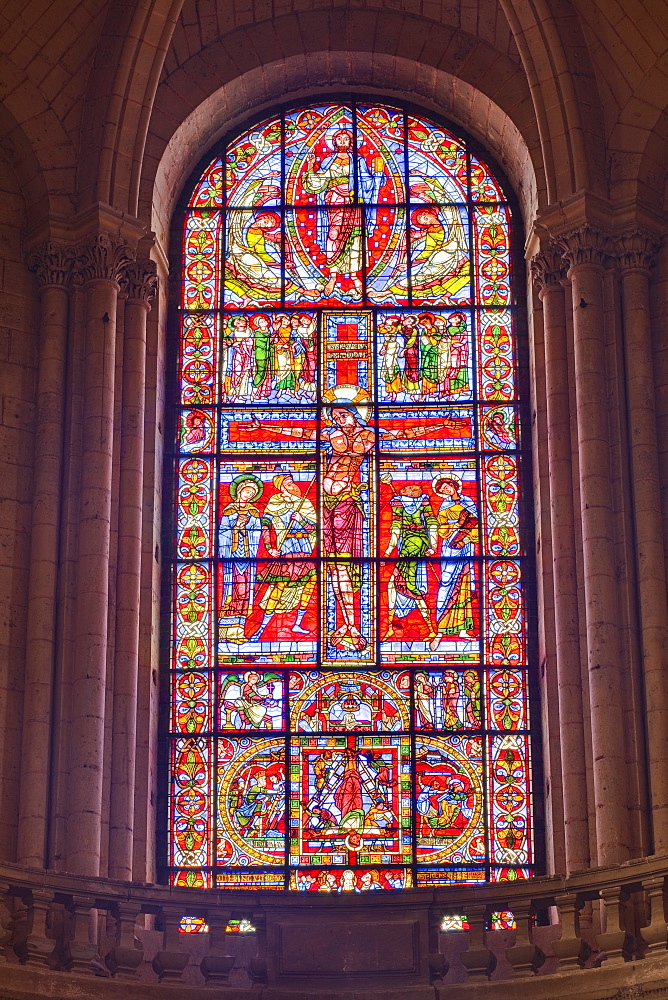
pixel 349 255
pixel 349 657
pixel 334 206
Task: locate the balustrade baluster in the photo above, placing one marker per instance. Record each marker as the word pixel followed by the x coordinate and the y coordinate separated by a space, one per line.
pixel 521 952
pixel 82 946
pixel 151 940
pixel 652 934
pixel 169 963
pixel 40 943
pixel 476 959
pixel 498 941
pixel 19 910
pixel 614 940
pixel 453 945
pixel 570 948
pixel 544 936
pixel 257 964
pixel 126 956
pixel 217 965
pixel 437 960
pixel 6 925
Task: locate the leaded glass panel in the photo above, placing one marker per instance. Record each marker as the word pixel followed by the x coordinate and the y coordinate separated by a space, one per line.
pixel 349 703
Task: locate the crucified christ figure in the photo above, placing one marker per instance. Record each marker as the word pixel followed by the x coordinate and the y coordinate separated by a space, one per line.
pixel 348 440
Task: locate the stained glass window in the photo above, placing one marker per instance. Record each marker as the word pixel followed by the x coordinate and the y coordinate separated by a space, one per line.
pixel 349 707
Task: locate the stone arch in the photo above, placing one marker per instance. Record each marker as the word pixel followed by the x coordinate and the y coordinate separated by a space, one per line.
pixel 141 117
pixel 565 95
pixel 501 116
pixel 123 83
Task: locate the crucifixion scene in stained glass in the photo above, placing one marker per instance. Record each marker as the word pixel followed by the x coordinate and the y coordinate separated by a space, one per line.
pixel 349 652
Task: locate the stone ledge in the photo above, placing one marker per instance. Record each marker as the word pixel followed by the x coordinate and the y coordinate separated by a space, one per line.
pixel 588 936
pixel 636 981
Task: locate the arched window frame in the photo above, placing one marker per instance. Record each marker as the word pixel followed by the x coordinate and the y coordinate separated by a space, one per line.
pixel 288 877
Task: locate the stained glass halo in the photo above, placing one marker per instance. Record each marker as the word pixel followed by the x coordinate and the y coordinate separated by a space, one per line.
pixel 349 656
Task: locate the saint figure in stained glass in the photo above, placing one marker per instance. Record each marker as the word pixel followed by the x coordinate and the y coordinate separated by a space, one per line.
pixel 288 530
pixel 458 527
pixel 239 537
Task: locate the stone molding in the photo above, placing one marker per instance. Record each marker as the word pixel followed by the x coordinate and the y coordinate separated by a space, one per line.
pixel 103 259
pixel 638 992
pixel 636 250
pixel 140 280
pixel 584 246
pixel 53 264
pixel 547 269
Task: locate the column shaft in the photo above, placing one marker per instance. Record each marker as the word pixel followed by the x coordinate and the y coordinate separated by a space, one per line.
pixel 89 675
pixel 102 264
pixel 567 638
pixel 600 577
pixel 648 533
pixel 585 250
pixel 128 581
pixel 51 266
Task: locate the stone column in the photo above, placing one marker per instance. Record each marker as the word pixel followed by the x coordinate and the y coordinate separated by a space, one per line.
pixel 139 283
pixel 101 264
pixel 548 270
pixel 585 251
pixel 635 252
pixel 52 266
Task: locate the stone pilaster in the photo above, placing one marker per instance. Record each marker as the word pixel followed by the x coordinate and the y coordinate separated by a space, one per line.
pixel 586 251
pixel 52 266
pixel 139 283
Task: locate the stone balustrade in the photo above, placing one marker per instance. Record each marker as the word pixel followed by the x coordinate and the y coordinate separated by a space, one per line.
pixel 586 935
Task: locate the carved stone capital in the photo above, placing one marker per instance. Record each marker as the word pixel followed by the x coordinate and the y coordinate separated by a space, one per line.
pixel 547 269
pixel 636 250
pixel 105 259
pixel 140 280
pixel 52 265
pixel 584 245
